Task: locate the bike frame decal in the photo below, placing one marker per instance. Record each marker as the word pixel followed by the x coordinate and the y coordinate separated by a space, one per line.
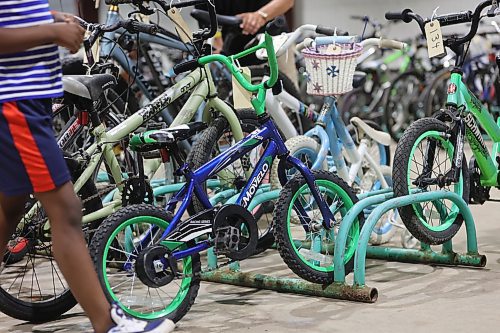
pixel 463 97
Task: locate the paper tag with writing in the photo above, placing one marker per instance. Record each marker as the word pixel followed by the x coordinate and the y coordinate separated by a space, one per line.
pixel 333 49
pixel 435 45
pixel 143 18
pixel 96 50
pixel 181 26
pixel 241 96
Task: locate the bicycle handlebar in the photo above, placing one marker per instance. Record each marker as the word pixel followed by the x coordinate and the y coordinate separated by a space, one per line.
pixel 408 15
pixel 379 42
pixel 166 5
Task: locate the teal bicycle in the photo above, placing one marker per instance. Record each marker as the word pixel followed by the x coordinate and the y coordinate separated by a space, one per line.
pixel 430 154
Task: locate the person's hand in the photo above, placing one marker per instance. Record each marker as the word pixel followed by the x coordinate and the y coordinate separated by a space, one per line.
pixel 63 17
pixel 68 34
pixel 252 22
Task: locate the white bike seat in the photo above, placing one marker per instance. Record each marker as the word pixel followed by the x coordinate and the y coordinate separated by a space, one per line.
pixel 363 128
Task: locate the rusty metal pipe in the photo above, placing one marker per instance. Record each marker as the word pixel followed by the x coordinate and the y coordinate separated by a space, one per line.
pixel 292 285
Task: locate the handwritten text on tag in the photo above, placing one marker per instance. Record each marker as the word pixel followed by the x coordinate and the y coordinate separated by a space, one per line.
pixel 435 45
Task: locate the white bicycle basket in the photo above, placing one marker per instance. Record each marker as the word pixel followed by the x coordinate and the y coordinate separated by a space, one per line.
pixel 331 73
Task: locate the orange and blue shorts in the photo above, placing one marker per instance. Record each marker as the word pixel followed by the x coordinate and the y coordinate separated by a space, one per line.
pixel 30 159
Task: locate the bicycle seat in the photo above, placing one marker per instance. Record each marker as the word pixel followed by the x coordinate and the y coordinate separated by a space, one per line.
pixel 163 138
pixel 224 20
pixel 359 79
pixel 363 128
pixel 88 86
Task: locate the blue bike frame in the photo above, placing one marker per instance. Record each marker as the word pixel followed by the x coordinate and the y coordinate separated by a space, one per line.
pixel 267 134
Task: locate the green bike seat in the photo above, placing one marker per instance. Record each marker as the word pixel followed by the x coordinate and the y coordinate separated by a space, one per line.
pixel 164 138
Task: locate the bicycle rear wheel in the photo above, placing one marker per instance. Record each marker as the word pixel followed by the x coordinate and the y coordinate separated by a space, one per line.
pixel 32 287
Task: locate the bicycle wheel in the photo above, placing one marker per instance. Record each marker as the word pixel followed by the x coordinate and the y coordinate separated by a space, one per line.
pixel 433 222
pixel 356 103
pixel 434 97
pixel 307 248
pixel 385 228
pixel 401 107
pixel 32 287
pixel 124 250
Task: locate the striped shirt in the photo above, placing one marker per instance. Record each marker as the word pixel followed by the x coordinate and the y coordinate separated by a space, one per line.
pixel 34 73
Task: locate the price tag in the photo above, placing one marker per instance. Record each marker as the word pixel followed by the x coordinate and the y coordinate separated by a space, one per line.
pixel 333 49
pixel 241 96
pixel 180 25
pixel 96 50
pixel 435 45
pixel 142 18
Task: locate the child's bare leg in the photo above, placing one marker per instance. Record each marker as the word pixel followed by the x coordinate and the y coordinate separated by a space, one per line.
pixel 11 209
pixel 64 211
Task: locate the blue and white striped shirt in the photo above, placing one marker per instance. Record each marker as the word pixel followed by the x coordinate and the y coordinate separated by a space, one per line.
pixel 34 73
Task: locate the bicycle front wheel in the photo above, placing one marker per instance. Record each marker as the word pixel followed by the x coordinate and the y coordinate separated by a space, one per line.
pixel 424 156
pixel 307 247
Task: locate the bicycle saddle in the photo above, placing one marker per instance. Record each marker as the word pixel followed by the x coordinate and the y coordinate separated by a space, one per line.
pixel 223 20
pixel 359 79
pixel 163 138
pixel 363 128
pixel 88 86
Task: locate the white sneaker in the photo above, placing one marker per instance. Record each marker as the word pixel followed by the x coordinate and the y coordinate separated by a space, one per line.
pixel 126 324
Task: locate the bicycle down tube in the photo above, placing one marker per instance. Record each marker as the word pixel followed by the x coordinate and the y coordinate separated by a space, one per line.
pixel 459 94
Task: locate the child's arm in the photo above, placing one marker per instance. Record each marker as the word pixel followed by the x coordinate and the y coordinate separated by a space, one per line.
pixel 68 35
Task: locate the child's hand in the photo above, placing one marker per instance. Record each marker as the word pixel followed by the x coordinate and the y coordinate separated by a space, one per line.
pixel 69 35
pixel 63 17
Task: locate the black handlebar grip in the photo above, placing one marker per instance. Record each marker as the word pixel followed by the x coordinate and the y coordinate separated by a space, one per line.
pixel 186 66
pixel 118 2
pixel 276 26
pixel 330 31
pixel 399 16
pixel 457 18
pixel 146 28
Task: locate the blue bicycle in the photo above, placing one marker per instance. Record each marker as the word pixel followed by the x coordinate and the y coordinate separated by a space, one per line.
pixel 148 258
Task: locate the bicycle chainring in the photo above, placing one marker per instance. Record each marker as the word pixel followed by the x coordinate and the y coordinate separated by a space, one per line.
pixel 235 232
pixel 136 191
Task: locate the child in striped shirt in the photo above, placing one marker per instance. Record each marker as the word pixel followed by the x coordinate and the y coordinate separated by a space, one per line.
pixel 31 162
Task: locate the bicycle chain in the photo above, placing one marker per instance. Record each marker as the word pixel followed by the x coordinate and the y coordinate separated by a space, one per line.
pixel 208 270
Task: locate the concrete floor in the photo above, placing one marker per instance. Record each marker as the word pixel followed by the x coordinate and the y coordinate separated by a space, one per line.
pixel 412 298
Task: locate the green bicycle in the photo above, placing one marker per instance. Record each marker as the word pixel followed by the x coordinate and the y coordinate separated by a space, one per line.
pixel 430 155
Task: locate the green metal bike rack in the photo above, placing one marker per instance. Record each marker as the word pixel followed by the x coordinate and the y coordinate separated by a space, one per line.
pixel 376 203
pixel 385 201
pixel 235 276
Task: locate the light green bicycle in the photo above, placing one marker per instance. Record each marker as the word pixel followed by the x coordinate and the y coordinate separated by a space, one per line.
pixel 430 155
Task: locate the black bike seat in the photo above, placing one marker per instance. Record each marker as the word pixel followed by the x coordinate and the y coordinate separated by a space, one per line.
pixel 89 87
pixel 359 79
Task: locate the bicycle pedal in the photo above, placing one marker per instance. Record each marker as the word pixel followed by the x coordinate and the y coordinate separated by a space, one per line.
pixel 226 240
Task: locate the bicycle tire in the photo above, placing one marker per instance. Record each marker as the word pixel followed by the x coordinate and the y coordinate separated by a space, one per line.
pixel 287 247
pixel 47 310
pixel 417 218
